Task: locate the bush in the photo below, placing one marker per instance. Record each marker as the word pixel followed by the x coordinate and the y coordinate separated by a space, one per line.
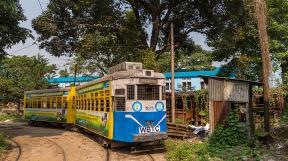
pixel 4 144
pixel 187 151
pixel 12 117
pixel 228 142
pixel 230 133
pixel 284 116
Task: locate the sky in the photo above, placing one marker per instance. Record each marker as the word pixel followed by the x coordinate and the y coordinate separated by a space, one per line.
pixel 32 9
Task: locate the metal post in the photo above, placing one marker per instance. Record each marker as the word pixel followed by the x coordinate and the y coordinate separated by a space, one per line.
pixel 75 74
pixel 172 76
pixel 260 10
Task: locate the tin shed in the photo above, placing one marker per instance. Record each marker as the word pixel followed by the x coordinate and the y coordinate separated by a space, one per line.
pixel 225 94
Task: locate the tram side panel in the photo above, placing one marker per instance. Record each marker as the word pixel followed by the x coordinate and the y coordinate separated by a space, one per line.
pixel 46 107
pixel 93 109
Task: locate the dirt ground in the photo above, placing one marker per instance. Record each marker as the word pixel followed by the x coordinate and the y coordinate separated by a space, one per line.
pixel 55 144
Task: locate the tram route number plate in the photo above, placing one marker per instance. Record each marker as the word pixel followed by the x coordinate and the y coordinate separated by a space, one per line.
pixel 149 129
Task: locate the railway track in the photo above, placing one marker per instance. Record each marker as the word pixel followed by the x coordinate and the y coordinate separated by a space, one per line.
pixel 19 150
pixel 59 147
pixel 151 157
pixel 108 153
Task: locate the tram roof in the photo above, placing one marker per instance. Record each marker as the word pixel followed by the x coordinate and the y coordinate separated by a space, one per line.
pixel 72 79
pixel 47 90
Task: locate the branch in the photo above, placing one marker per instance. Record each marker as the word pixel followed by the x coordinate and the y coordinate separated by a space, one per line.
pixel 161 51
pixel 139 25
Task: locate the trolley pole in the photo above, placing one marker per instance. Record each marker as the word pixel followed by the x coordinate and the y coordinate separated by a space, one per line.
pixel 172 76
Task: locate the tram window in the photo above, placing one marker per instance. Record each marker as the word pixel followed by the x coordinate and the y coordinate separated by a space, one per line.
pixel 120 103
pixel 147 92
pixel 48 103
pixel 163 93
pixel 120 91
pixel 96 104
pixel 88 104
pixel 102 105
pixel 107 105
pixel 130 92
pixel 54 105
pixel 92 105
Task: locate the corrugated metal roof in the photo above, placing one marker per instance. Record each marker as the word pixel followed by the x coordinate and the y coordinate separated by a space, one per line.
pixel 71 79
pixel 193 74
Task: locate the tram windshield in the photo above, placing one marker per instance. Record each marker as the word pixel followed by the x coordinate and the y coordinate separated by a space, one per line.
pixel 148 92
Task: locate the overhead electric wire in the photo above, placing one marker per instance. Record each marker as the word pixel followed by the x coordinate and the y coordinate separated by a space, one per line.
pixel 34 43
pixel 40 6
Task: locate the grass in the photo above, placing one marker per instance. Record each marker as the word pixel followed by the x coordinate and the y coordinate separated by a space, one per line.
pixel 4 144
pixel 12 117
pixel 202 151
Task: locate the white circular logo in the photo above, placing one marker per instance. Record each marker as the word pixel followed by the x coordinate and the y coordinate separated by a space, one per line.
pixel 159 106
pixel 137 106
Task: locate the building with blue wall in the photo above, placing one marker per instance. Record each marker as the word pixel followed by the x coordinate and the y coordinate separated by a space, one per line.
pixel 184 81
pixel 189 81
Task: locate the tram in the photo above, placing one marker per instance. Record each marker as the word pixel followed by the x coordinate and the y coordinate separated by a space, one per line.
pixel 127 105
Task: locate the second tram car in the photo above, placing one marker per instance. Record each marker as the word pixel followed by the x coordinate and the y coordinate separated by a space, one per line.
pixel 126 106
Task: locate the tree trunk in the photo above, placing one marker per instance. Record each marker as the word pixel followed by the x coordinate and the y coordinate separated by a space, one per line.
pixel 284 70
pixel 260 10
pixel 155 31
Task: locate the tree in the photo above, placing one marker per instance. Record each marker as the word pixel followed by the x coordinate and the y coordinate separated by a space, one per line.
pixel 278 31
pixel 22 73
pixel 109 32
pixel 239 38
pixel 11 33
pixel 64 73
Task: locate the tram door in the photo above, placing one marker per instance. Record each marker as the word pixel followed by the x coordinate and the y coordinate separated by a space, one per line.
pixel 71 106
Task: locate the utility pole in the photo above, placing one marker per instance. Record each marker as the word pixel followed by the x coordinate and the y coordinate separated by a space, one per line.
pixel 260 11
pixel 172 76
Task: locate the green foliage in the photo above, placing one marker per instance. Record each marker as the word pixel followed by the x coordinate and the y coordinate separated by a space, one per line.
pixel 243 67
pixel 277 28
pixel 22 73
pixel 149 61
pixel 202 151
pixel 4 144
pixel 186 151
pixel 230 133
pixel 11 14
pixel 12 117
pixel 274 94
pixel 106 32
pixel 202 104
pixel 238 39
pixel 284 116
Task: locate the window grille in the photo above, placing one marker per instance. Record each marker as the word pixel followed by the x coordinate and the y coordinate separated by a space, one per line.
pixel 163 93
pixel 147 92
pixel 120 103
pixel 130 92
pixel 167 86
pixel 107 105
pixel 120 91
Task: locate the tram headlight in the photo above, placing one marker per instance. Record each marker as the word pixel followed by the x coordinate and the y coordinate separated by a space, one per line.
pixel 159 106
